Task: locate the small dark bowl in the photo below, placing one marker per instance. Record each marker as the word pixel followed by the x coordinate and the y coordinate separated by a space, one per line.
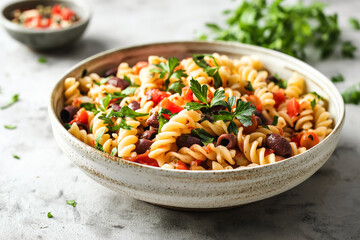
pixel 46 39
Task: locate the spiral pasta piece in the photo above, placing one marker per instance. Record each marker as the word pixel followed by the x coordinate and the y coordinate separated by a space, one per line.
pixel 82 135
pixel 127 139
pixel 71 90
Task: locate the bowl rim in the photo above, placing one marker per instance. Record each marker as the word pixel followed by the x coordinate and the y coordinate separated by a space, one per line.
pixel 273 53
pixel 17 27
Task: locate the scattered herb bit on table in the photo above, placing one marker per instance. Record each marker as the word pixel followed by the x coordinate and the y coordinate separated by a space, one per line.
pixel 16 157
pixel 337 78
pixel 49 215
pixel 10 127
pixel 14 99
pixel 71 202
pixel 352 94
pixel 42 60
pixel 354 23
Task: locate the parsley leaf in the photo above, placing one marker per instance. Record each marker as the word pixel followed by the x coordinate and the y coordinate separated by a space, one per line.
pixel 49 215
pixel 219 95
pixel 278 81
pixel 352 94
pixel 200 91
pixel 211 71
pixel 313 103
pixel 14 99
pixel 232 128
pixel 348 49
pixel 249 87
pixel 176 87
pixel 97 140
pixel 10 127
pixel 67 126
pixel 16 157
pixel 162 120
pixel 317 95
pixel 129 90
pixel 114 151
pixel 243 112
pixel 128 112
pixel 71 202
pixel 205 137
pixel 354 23
pixel 194 106
pixel 275 120
pixel 338 78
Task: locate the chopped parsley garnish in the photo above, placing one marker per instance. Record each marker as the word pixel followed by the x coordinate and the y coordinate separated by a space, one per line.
pixel 129 90
pixel 243 110
pixel 16 157
pixel 14 99
pixel 275 120
pixel 104 80
pixel 71 202
pixel 98 146
pixel 211 71
pixel 10 127
pixel 354 23
pixel 168 69
pixel 348 49
pixel 67 126
pixel 42 60
pixel 205 137
pixel 176 87
pixel 352 94
pixel 286 28
pixel 338 78
pixel 49 215
pixel 313 104
pixel 282 83
pixel 249 87
pixel 90 107
pixel 317 95
pixel 265 126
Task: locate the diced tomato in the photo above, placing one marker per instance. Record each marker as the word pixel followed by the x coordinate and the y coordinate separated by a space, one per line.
pixel 296 138
pixel 252 127
pixel 33 22
pixel 256 101
pixel 198 162
pixel 140 65
pixel 309 139
pixel 172 107
pixel 156 95
pixel 181 166
pixel 66 13
pixel 279 158
pixel 56 9
pixel 144 159
pixel 279 97
pixel 268 151
pixel 81 116
pixel 179 67
pixel 187 94
pixel 293 108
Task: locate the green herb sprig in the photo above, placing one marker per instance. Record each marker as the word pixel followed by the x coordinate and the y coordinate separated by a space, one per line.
pixel 14 99
pixel 211 71
pixel 168 69
pixel 204 136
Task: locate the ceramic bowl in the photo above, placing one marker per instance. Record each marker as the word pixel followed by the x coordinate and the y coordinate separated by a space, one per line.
pixel 46 39
pixel 198 189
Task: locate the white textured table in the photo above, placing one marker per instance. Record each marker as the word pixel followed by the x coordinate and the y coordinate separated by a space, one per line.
pixel 324 207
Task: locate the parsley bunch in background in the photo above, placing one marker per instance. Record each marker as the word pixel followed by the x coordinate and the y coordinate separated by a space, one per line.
pixel 286 28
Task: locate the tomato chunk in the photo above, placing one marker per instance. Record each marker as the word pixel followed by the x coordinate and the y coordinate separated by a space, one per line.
pixel 293 108
pixel 81 116
pixel 181 166
pixel 279 97
pixel 156 95
pixel 144 159
pixel 268 151
pixel 169 105
pixel 140 65
pixel 309 139
pixel 187 94
pixel 256 101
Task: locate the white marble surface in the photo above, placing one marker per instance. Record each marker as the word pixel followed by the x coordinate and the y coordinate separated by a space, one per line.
pixel 324 207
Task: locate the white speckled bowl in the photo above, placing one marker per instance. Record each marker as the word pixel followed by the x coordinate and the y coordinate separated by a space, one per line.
pixel 198 189
pixel 46 39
